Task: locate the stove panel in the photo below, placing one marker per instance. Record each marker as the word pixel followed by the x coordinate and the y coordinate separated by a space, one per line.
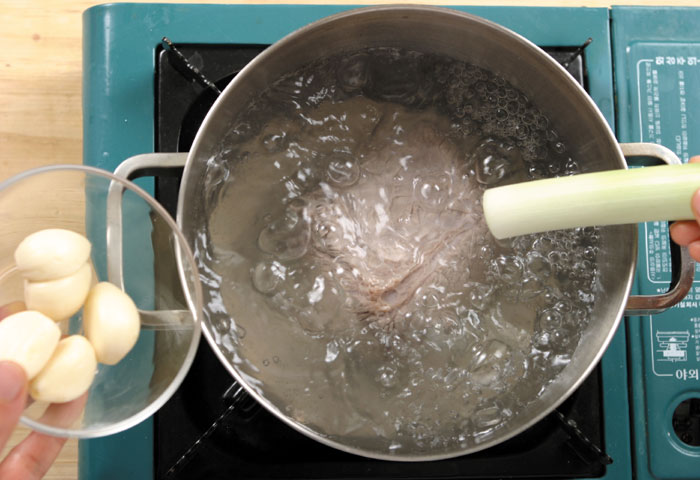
pixel 121 43
pixel 657 60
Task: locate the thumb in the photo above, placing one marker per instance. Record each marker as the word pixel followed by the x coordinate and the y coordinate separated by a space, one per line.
pixel 13 392
pixel 695 205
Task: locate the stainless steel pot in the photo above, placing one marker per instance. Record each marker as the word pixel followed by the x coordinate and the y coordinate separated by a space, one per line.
pixel 477 41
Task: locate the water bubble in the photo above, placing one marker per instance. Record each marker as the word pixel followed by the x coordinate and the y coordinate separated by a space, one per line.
pixel 507 268
pixel 267 275
pixel 491 169
pixel 343 170
pixel 538 265
pixel 558 259
pixel 559 147
pixel 560 338
pixel 332 351
pixel 563 307
pixel 492 355
pixel 583 270
pixel 308 175
pixel 530 287
pixel 317 301
pixel 387 376
pixel 434 191
pixel 328 229
pixel 549 319
pixel 430 300
pixel 554 168
pixel 571 167
pixel 287 237
pixel 479 295
pixel 590 253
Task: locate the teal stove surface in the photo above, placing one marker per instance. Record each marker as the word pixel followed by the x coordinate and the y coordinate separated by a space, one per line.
pixel 657 66
pixel 119 52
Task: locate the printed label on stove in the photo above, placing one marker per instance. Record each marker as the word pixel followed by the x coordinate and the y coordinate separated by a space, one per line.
pixel 667 74
pixel 675 345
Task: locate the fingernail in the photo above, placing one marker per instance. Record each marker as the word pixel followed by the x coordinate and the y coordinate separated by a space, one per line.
pixel 12 380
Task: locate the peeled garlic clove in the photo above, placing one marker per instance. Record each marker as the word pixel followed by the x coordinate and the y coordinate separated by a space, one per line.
pixel 68 373
pixel 111 322
pixel 28 338
pixel 51 253
pixel 61 298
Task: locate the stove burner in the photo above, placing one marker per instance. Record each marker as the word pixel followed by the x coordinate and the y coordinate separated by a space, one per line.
pixel 182 102
pixel 212 429
pixel 183 65
pixel 577 54
pixel 587 450
pixel 686 421
pixel 239 401
pixel 202 434
pixel 198 110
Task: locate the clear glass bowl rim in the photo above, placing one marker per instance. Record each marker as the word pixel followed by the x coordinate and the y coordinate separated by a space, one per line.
pixel 194 304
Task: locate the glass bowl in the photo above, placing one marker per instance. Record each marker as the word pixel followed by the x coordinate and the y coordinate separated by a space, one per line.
pixel 137 246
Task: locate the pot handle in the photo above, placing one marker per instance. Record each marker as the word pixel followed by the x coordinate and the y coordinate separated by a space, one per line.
pixel 137 166
pixel 682 265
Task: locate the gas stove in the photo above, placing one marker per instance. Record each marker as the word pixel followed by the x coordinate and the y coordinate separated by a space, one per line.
pixel 640 408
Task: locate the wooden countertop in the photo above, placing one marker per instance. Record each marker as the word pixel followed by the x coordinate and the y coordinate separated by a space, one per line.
pixel 40 98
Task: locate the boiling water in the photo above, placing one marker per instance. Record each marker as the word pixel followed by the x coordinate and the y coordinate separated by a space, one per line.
pixel 350 275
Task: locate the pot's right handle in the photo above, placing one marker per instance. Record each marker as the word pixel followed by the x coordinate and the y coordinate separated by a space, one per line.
pixel 682 277
pixel 133 167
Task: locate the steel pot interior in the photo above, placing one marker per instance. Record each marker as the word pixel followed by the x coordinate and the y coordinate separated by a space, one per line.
pixel 463 37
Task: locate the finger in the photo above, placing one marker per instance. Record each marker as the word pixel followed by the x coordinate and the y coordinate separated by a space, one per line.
pixel 62 415
pixel 686 232
pixel 695 205
pixel 33 457
pixel 694 250
pixel 11 308
pixel 694 159
pixel 13 391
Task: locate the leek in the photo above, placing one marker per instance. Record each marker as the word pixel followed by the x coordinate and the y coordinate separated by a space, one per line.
pixel 612 197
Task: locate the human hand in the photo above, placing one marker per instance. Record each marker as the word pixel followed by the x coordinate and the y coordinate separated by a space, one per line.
pixel 687 233
pixel 31 458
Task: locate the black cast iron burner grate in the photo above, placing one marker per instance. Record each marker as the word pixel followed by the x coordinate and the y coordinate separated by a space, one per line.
pixel 209 429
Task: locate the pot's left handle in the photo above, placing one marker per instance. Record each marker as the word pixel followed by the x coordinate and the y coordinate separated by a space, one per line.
pixel 133 167
pixel 683 270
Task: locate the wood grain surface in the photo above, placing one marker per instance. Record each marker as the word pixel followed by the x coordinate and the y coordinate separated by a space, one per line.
pixel 40 101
